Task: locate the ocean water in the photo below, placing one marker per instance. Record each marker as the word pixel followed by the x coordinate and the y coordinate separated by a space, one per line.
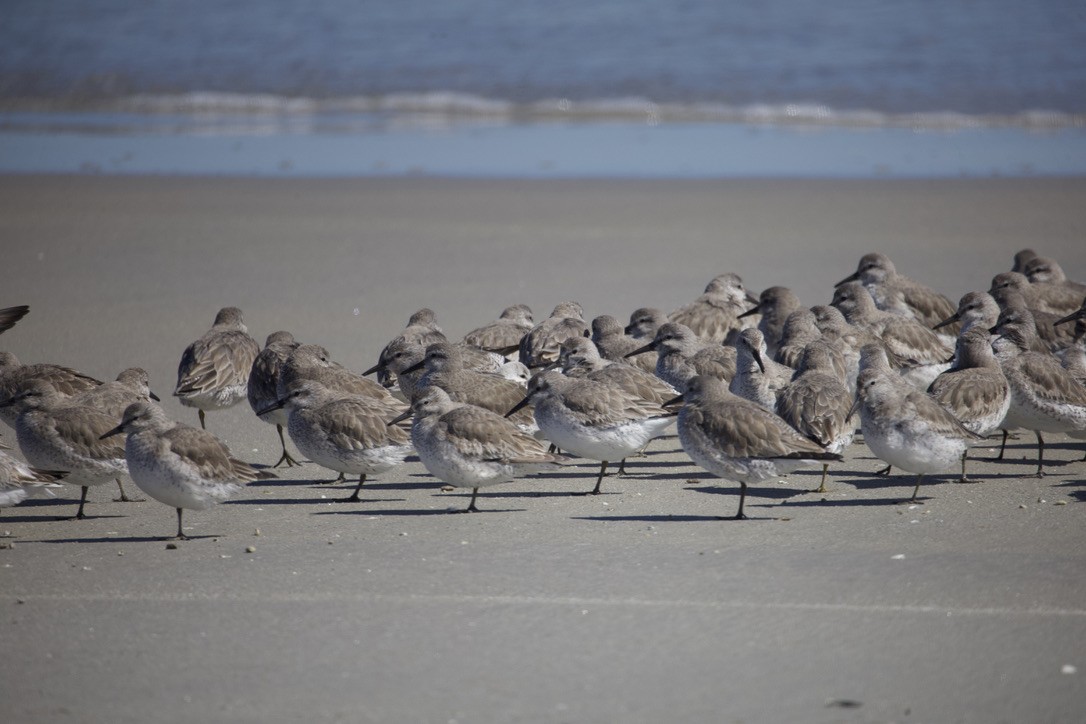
pixel 478 87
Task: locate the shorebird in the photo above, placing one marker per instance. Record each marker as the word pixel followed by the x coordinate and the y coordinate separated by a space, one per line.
pixel 817 403
pixel 903 426
pixel 1044 396
pixel 714 316
pixel 581 358
pixel 402 354
pixel 847 338
pixel 10 315
pixel 178 465
pixel 610 338
pixel 345 434
pixel 736 439
pixel 593 419
pixel 1045 270
pixel 19 481
pixel 975 309
pixel 757 377
pixel 1015 292
pixel 262 388
pixel 880 277
pixel 445 369
pixel 974 390
pixel 503 335
pixel 644 322
pixel 918 350
pixel 131 385
pixel 421 330
pixel 1051 298
pixel 682 355
pixel 775 304
pixel 1022 258
pixel 800 329
pixel 312 362
pixel 1074 356
pixel 470 447
pixel 214 370
pixel 539 347
pixel 55 435
pixel 15 376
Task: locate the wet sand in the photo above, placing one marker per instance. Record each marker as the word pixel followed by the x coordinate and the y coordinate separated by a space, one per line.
pixel 638 605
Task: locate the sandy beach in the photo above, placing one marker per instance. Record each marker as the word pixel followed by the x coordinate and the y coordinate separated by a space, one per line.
pixel 640 605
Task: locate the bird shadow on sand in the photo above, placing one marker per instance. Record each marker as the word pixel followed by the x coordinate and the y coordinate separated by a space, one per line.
pixel 54 518
pixel 432 484
pixel 418 512
pixel 1079 495
pixel 854 502
pixel 752 492
pixel 661 518
pixel 127 539
pixel 308 501
pixel 633 464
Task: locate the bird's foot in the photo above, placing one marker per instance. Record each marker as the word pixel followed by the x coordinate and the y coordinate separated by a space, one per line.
pixel 286 458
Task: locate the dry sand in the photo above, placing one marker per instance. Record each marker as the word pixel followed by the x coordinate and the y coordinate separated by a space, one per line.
pixel 638 605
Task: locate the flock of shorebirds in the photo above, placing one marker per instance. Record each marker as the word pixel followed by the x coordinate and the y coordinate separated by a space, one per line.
pixel 756 386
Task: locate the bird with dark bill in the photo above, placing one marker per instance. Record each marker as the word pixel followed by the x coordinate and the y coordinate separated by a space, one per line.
pixel 735 439
pixel 180 466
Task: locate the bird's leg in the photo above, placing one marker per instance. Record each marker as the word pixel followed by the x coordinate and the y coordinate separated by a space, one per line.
pixel 341 479
pixel 742 499
pixel 917 488
pixel 884 471
pixel 82 501
pixel 124 498
pixel 471 506
pixel 354 496
pixel 203 426
pixel 964 478
pixel 822 487
pixel 180 534
pixel 599 480
pixel 1003 445
pixel 621 467
pixel 285 457
pixel 1040 454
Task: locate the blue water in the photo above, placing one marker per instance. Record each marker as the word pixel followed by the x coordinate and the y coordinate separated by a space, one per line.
pixel 479 87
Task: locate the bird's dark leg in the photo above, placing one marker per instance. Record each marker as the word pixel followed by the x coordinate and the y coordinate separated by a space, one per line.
pixel 742 499
pixel 471 506
pixel 621 467
pixel 82 501
pixel 285 457
pixel 180 534
pixel 124 498
pixel 341 479
pixel 822 487
pixel 354 496
pixel 964 478
pixel 203 426
pixel 599 480
pixel 1002 445
pixel 917 488
pixel 884 471
pixel 1040 454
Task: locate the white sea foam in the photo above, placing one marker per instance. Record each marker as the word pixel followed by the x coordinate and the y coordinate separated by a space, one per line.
pixel 453 108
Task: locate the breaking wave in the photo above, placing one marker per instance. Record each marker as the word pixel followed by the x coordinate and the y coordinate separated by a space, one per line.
pixel 454 108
